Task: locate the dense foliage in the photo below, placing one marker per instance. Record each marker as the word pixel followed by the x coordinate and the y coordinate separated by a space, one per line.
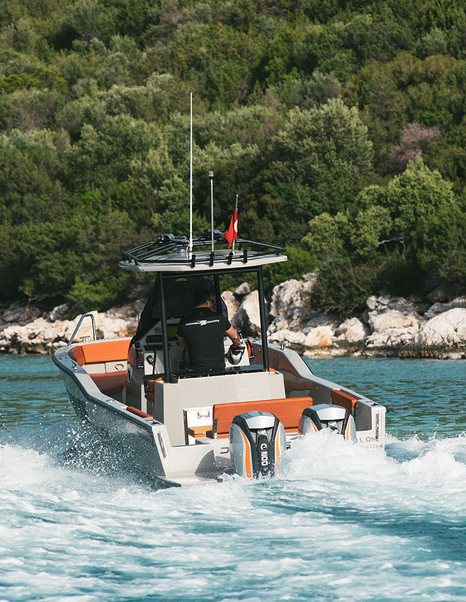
pixel 340 124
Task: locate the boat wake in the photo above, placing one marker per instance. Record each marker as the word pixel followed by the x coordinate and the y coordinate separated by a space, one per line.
pixel 340 522
pixel 406 476
pixel 322 457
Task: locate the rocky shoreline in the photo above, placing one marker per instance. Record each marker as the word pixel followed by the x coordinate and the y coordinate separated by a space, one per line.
pixel 434 327
pixel 389 327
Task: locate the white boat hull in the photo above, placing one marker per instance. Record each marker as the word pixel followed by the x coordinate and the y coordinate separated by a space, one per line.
pixel 146 443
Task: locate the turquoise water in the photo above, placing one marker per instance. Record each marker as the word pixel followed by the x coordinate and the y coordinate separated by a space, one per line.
pixel 340 523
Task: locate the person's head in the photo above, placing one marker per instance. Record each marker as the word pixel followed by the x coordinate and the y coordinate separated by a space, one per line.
pixel 202 298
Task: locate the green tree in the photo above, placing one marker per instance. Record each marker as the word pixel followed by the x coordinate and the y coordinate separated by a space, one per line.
pixel 306 109
pixel 401 238
pixel 218 59
pixel 30 186
pixel 61 258
pixel 428 220
pixel 321 159
pixel 106 153
pixel 327 236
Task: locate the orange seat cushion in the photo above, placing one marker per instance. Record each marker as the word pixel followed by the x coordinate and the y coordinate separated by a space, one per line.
pixel 110 382
pixel 288 410
pixel 100 351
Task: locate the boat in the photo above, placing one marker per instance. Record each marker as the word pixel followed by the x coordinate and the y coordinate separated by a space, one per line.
pixel 178 426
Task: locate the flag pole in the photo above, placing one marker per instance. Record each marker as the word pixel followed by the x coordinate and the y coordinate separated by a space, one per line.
pixel 211 178
pixel 236 209
pixel 190 250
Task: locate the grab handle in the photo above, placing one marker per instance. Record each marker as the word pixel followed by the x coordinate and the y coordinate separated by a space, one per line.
pixel 78 326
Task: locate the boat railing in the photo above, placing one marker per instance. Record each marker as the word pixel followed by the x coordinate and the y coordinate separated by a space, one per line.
pixel 174 250
pixel 88 315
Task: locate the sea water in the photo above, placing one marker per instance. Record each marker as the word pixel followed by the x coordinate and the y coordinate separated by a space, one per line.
pixel 340 523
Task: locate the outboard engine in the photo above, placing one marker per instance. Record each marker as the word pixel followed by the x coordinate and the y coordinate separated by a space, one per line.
pixel 257 443
pixel 326 415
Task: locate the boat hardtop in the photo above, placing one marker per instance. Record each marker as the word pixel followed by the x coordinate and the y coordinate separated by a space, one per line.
pixel 170 253
pixel 181 426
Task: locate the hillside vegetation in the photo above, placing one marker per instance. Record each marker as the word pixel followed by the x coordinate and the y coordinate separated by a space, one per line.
pixel 340 124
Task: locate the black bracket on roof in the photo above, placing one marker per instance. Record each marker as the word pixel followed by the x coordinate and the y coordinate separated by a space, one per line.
pixel 168 249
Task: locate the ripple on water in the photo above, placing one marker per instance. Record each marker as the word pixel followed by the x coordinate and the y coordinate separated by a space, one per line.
pixel 340 523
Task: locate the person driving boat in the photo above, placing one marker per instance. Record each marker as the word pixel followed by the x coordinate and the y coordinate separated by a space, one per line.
pixel 202 332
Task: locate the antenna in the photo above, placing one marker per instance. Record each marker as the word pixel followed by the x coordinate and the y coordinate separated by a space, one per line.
pixel 211 178
pixel 190 250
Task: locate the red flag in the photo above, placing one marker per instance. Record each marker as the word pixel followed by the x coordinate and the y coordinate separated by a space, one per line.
pixel 232 233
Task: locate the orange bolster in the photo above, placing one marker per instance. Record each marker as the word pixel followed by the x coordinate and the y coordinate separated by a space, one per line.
pixel 76 353
pixel 288 410
pixel 100 351
pixel 150 388
pixel 344 399
pixel 110 382
pixel 138 412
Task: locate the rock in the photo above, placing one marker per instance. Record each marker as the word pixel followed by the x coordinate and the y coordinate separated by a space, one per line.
pixel 394 322
pixel 58 312
pixel 438 295
pixel 392 319
pixel 20 313
pixel 379 303
pixel 317 319
pixel 351 331
pixel 294 339
pixel 35 337
pixel 371 302
pixel 128 313
pixel 231 302
pixel 386 302
pixel 290 305
pixel 243 290
pixel 438 308
pixel 247 318
pixel 44 336
pixel 444 330
pixel 301 327
pixel 294 318
pixel 290 294
pixel 109 327
pixel 390 325
pixel 392 337
pixel 321 336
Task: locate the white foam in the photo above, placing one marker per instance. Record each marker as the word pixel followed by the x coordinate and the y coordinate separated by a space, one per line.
pixel 324 460
pixel 340 522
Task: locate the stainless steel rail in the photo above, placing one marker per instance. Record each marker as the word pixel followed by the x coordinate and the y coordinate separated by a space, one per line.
pixel 78 326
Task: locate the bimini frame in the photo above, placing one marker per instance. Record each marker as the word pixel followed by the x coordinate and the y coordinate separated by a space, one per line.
pixel 170 256
pixel 171 253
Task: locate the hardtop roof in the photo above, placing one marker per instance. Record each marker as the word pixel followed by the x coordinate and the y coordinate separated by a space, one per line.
pixel 170 253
